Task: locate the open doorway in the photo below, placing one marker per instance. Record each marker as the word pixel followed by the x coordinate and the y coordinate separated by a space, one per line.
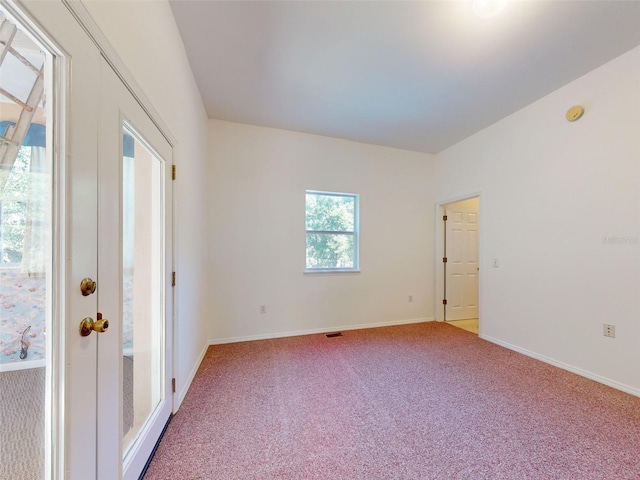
pixel 460 268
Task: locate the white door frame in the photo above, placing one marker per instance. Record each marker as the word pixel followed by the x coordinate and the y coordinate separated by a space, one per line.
pixel 439 243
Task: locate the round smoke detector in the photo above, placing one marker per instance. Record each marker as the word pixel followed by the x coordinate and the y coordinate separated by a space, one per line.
pixel 574 113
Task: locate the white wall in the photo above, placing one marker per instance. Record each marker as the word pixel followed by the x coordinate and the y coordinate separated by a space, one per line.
pixel 552 193
pixel 257 213
pixel 156 58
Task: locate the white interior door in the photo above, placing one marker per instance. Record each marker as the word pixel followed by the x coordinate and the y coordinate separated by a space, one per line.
pixel 462 260
pixel 134 267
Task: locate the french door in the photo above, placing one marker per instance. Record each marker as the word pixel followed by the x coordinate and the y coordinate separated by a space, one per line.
pixel 108 327
pixel 134 268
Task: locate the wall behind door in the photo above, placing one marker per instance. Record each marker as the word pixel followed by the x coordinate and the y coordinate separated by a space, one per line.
pixel 155 57
pixel 561 212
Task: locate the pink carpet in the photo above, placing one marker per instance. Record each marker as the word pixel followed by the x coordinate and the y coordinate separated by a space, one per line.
pixel 425 401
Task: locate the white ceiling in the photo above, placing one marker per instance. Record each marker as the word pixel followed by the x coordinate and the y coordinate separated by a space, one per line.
pixel 413 75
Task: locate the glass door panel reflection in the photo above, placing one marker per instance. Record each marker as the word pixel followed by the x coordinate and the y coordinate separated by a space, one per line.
pixel 26 265
pixel 143 284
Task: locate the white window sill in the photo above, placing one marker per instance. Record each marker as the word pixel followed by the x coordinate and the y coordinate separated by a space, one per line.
pixel 335 271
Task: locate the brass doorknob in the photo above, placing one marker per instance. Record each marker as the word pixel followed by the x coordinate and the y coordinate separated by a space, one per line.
pixel 88 325
pixel 87 287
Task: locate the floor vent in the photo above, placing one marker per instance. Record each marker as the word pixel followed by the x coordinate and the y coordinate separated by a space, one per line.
pixel 331 335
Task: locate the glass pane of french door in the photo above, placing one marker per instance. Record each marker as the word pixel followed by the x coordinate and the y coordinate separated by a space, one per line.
pixel 26 259
pixel 143 315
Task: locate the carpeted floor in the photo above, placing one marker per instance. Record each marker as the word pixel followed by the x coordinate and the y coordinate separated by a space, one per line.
pixel 424 401
pixel 22 424
pixel 22 399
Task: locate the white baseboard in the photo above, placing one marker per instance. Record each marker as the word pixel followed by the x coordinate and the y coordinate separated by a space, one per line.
pixel 267 336
pixel 177 399
pixel 22 365
pixel 565 366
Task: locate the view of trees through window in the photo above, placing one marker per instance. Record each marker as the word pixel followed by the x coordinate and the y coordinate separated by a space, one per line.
pixel 331 224
pixel 13 208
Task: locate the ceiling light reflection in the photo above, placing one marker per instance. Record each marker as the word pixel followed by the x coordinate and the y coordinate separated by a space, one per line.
pixel 488 8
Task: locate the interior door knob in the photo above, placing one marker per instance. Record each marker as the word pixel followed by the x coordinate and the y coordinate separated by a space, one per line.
pixel 87 287
pixel 88 325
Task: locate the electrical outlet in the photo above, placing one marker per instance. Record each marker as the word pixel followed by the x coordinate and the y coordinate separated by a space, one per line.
pixel 609 330
pixel 410 298
pixel 495 263
pixel 263 309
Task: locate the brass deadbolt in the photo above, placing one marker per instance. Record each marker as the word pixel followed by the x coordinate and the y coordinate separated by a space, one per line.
pixel 574 113
pixel 87 287
pixel 88 325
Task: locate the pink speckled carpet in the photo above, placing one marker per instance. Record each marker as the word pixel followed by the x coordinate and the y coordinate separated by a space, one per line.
pixel 424 401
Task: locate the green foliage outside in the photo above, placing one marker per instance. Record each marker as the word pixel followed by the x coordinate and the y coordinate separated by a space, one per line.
pixel 14 208
pixel 330 213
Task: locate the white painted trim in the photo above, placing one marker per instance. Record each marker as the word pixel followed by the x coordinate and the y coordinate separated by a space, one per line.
pixel 439 246
pixel 565 366
pixel 328 271
pixel 312 331
pixel 22 365
pixel 183 393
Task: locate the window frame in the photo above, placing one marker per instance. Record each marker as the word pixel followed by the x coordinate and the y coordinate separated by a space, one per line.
pixel 355 233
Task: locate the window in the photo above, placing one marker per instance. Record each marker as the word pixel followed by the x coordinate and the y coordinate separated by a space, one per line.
pixel 24 197
pixel 332 231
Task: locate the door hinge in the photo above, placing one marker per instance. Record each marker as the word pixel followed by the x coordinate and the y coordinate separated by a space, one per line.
pixel 444 218
pixel 173 385
pixel 444 301
pixel 444 259
pixel 173 172
pixel 173 279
